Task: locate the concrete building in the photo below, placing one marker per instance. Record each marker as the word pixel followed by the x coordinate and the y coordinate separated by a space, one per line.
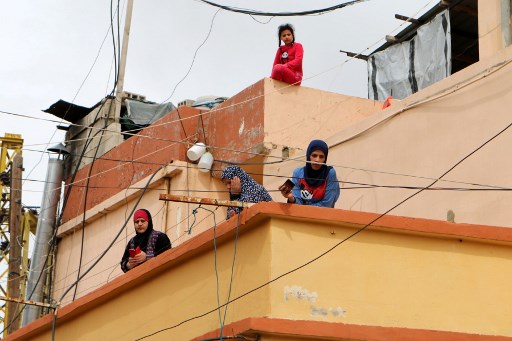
pixel 435 266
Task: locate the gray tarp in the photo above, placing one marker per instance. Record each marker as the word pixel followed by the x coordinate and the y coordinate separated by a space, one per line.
pixel 144 114
pixel 408 67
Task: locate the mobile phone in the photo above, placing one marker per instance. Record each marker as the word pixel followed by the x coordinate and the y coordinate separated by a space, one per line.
pixel 134 252
pixel 289 184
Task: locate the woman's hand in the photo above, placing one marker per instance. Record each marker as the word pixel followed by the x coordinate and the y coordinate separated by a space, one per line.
pixel 287 193
pixel 136 260
pixel 236 186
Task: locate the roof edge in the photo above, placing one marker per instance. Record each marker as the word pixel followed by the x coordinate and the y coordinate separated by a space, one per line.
pixel 320 330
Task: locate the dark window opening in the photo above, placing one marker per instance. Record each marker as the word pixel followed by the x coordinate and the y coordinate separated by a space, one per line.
pixel 464 23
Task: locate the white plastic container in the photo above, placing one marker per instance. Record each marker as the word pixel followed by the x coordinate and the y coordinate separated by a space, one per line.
pixel 196 151
pixel 205 163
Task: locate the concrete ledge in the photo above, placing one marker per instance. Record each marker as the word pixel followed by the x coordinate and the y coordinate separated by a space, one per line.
pixel 318 330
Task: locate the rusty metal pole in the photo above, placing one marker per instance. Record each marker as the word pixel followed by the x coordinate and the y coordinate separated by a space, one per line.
pixel 13 287
pixel 203 201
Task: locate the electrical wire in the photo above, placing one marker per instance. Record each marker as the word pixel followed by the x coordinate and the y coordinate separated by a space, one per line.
pixel 119 241
pixel 215 267
pixel 260 22
pixel 116 57
pixel 340 242
pixel 271 91
pixel 282 14
pixel 118 166
pixel 114 266
pixel 88 139
pixel 18 314
pixel 68 192
pixel 72 101
pixel 193 58
pixel 117 63
pixel 356 185
pixel 201 113
pixel 281 160
pixel 101 255
pixel 30 117
pixel 85 211
pixel 486 187
pixel 232 273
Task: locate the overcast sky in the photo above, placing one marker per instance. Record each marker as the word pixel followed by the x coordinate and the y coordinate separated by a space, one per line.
pixel 49 48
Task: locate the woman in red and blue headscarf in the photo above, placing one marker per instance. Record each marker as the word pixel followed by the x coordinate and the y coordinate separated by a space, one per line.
pixel 316 183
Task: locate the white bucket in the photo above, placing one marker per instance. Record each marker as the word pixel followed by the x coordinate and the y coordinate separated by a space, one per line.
pixel 196 151
pixel 205 164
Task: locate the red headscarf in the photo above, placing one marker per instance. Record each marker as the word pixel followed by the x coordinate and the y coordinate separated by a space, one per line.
pixel 140 214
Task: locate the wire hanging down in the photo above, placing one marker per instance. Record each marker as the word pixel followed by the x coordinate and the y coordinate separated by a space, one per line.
pixel 282 14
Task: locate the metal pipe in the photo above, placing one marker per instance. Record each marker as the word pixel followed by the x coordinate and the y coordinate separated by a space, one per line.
pixel 44 234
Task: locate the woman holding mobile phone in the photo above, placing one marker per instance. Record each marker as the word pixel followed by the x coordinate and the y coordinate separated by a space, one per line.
pixel 316 183
pixel 146 244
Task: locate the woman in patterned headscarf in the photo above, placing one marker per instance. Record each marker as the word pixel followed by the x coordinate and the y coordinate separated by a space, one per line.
pixel 242 188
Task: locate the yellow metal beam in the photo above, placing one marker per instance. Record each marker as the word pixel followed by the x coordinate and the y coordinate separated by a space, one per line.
pixel 10 146
pixel 12 143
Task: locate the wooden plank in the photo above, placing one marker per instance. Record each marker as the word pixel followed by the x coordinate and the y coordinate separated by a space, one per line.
pixel 203 201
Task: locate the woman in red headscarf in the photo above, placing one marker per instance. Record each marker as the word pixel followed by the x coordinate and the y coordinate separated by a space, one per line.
pixel 146 244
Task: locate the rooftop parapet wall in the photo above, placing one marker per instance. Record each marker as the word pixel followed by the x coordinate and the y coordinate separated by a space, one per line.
pixel 431 277
pixel 132 160
pixel 295 115
pixel 236 125
pixel 238 130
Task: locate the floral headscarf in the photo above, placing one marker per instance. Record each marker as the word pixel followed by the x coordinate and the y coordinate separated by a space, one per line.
pixel 250 191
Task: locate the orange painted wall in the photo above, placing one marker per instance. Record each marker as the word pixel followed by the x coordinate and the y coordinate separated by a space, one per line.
pixel 165 141
pixel 113 176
